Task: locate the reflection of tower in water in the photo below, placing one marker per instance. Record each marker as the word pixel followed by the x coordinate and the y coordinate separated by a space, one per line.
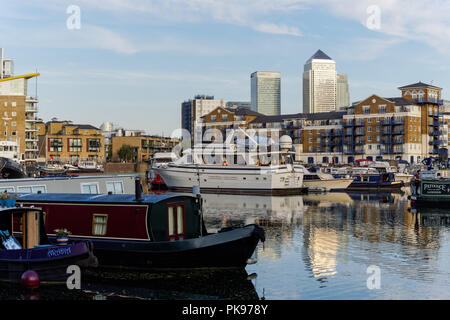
pixel 322 239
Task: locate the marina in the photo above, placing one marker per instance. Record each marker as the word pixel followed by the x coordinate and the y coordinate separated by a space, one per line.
pixel 315 248
pixel 223 153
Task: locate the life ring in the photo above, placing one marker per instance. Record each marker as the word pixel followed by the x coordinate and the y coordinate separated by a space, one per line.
pixel 225 163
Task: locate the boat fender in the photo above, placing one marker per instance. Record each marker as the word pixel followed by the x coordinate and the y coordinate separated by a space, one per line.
pixel 259 232
pixel 225 163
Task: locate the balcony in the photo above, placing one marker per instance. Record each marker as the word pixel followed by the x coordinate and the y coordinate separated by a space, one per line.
pixel 429 101
pixel 397 150
pixel 397 122
pixel 336 133
pixel 31 119
pixel 397 132
pixel 434 123
pixel 398 141
pixel 359 132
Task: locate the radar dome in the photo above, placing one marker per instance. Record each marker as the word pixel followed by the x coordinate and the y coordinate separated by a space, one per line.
pixel 285 142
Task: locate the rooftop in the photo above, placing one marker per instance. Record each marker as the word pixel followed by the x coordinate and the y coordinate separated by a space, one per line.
pixel 320 55
pixel 419 85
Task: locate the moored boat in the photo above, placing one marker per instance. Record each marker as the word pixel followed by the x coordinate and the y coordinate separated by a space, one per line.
pixel 431 189
pixel 224 168
pixel 147 231
pixel 26 247
pixel 319 181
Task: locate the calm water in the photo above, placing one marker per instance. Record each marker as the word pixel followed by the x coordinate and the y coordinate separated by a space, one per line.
pixel 317 247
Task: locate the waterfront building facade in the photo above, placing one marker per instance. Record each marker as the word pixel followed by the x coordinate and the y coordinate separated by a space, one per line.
pixel 144 146
pixel 266 92
pixel 411 127
pixel 66 142
pixel 18 109
pixel 192 110
pixel 319 84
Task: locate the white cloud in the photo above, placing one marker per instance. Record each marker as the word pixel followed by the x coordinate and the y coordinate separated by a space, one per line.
pixel 424 21
pixel 278 29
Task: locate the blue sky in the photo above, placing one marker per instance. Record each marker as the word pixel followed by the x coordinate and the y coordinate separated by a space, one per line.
pixel 133 62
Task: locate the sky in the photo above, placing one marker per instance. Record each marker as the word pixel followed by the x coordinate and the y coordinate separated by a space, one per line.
pixel 133 62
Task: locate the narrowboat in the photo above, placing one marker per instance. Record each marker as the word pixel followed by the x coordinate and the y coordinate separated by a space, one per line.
pixel 25 246
pixel 431 190
pixel 151 231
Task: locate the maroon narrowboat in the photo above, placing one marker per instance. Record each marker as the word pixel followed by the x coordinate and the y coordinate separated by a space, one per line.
pixel 146 231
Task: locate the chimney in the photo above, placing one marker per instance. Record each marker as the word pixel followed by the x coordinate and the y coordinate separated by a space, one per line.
pixel 138 189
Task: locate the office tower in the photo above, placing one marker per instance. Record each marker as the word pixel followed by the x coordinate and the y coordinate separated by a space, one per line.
pixel 342 92
pixel 265 92
pixel 319 84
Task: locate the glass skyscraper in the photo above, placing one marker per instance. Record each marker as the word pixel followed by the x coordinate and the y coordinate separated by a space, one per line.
pixel 265 92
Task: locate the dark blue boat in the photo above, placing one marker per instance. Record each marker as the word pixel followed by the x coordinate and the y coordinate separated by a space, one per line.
pixel 25 246
pixel 374 181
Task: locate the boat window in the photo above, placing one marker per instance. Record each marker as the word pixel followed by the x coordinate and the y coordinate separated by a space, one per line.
pixel 89 188
pixel 116 187
pixel 32 189
pixel 99 223
pixel 175 221
pixel 6 189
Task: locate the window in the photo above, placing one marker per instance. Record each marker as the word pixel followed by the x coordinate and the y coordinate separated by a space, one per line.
pixel 369 120
pixel 13 113
pixel 369 138
pixel 13 103
pixel 94 145
pixel 366 109
pixel 175 221
pixel 89 188
pixel 13 123
pixel 55 144
pixel 369 129
pixel 99 224
pixel 7 189
pixel 116 187
pixel 75 145
pixel 14 133
pixel 32 189
pixel 382 108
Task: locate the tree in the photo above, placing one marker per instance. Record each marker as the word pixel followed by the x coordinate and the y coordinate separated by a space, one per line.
pixel 126 153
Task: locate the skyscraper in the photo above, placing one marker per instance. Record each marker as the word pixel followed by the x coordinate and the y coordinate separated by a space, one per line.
pixel 319 84
pixel 265 92
pixel 342 92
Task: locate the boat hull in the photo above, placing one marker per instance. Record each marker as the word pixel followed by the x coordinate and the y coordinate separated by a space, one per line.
pixel 338 184
pixel 228 249
pixel 50 262
pixel 233 180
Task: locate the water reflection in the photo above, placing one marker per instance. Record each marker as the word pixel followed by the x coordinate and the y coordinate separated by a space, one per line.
pixel 334 237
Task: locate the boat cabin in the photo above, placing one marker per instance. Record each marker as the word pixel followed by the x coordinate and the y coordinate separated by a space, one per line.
pixel 22 228
pixel 166 217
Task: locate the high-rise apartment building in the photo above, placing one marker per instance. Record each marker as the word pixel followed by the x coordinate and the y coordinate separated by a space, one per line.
pixel 192 110
pixel 266 92
pixel 18 110
pixel 342 92
pixel 319 84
